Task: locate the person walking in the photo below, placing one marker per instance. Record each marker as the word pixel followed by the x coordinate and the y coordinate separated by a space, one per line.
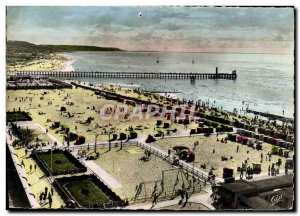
pixel 22 163
pixel 50 201
pixel 41 196
pixel 46 191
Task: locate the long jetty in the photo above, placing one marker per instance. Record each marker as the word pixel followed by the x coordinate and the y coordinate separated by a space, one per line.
pixel 130 75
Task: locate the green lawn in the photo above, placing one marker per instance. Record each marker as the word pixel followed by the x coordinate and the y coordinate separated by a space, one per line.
pixel 86 193
pixel 59 162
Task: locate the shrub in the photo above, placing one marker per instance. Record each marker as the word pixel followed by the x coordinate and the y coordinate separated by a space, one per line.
pixel 114 137
pixel 132 134
pixel 275 150
pixel 231 137
pixel 123 136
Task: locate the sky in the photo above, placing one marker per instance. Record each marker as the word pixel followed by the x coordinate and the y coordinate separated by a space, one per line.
pixel 168 28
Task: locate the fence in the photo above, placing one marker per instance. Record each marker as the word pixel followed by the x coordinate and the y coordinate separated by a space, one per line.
pixel 113 144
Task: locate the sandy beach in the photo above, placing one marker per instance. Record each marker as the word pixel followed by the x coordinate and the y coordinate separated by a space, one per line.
pixel 67 66
pixel 54 62
pixel 81 112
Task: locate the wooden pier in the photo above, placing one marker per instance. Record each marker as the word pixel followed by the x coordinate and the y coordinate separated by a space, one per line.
pixel 127 75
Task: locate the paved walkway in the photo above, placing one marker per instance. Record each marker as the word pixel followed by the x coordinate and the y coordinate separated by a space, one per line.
pixel 22 174
pixel 264 175
pixel 108 179
pixel 31 125
pixel 203 199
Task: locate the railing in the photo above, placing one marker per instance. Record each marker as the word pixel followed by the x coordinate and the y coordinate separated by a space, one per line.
pixel 114 144
pixel 139 75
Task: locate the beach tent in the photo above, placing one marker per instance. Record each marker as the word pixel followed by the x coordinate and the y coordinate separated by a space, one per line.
pixel 133 134
pixel 250 142
pixel 231 137
pixel 239 138
pixel 289 145
pixel 272 140
pixel 240 131
pixel 290 138
pixel 289 163
pixel 245 140
pixel 256 167
pixel 63 109
pixel 201 124
pixel 122 136
pixel 199 130
pixel 259 142
pixel 150 139
pixel 193 131
pixel 80 140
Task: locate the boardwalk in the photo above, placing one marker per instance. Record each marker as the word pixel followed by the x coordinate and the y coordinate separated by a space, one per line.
pixel 22 174
pixel 130 75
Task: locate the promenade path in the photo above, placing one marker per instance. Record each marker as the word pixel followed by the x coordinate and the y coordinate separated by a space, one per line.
pixel 22 174
pixel 203 199
pixel 32 125
pixel 108 179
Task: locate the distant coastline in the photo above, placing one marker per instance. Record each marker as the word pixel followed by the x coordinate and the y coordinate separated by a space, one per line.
pixel 22 55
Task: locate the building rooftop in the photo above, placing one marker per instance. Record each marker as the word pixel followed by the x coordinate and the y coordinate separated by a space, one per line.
pixel 247 187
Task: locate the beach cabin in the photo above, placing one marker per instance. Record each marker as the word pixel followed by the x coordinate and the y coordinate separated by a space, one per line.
pixel 289 163
pixel 250 142
pixel 256 167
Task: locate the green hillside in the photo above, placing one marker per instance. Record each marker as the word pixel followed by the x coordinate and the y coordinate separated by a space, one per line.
pixel 82 48
pixel 19 52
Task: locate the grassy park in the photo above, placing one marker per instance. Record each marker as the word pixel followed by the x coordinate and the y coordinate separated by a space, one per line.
pixel 86 193
pixel 59 161
pixel 17 116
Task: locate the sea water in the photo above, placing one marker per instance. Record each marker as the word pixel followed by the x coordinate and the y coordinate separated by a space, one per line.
pixel 265 82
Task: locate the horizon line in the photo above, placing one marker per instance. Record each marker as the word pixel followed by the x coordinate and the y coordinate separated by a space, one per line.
pixel 162 51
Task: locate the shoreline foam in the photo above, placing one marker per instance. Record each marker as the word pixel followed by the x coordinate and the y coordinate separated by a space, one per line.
pixel 67 66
